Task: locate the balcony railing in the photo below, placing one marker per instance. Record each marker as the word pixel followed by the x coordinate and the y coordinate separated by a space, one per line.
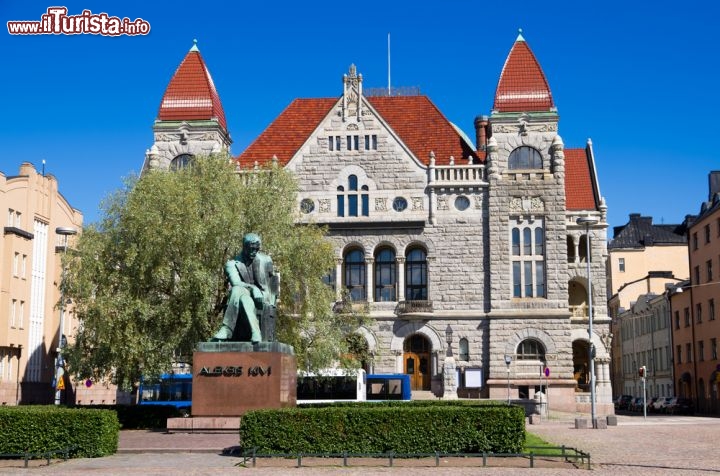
pixel 580 310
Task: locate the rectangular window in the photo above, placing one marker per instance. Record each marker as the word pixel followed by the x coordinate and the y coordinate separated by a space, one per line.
pixel 355 142
pixel 718 227
pixel 709 270
pixel 677 319
pixel 373 144
pixel 341 205
pixel 701 350
pixel 697 275
pixel 527 242
pixel 11 217
pixel 16 264
pixel 21 315
pixel 352 205
pixel 331 143
pixel 13 312
pixel 698 313
pixel 695 240
pixel 687 317
pixel 679 354
pixel 688 352
pixel 621 265
pixel 23 266
pixel 349 142
pixel 707 233
pixel 713 348
pixel 337 143
pixel 711 309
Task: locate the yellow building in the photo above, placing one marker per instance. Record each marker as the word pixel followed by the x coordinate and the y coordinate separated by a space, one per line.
pixel 30 268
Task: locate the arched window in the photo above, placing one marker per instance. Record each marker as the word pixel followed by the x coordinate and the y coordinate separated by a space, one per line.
pixel 464 350
pixel 531 349
pixel 385 275
pixel 416 275
pixel 353 197
pixel 181 161
pixel 525 158
pixel 355 274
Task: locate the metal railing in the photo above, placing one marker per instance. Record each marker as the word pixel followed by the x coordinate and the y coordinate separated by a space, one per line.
pixel 47 455
pixel 561 453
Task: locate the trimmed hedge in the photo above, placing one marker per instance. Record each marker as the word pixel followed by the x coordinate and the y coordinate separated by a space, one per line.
pixel 410 427
pixel 37 429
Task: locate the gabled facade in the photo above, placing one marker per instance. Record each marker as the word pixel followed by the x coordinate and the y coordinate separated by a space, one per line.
pixel 434 233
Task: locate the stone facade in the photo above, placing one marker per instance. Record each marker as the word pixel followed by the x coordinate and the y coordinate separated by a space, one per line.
pixel 501 264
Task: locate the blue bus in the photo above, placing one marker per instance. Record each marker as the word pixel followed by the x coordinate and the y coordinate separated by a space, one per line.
pixel 169 389
pixel 388 387
pixel 331 385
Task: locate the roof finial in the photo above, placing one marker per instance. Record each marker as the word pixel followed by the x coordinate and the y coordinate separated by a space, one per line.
pixel 520 37
pixel 194 46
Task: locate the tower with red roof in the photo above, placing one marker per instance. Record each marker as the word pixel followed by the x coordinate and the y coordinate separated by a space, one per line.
pixel 191 120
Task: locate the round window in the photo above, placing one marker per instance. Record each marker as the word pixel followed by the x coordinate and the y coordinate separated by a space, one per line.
pixel 462 202
pixel 399 204
pixel 307 205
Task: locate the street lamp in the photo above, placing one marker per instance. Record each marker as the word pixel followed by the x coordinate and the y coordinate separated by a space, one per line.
pixel 587 221
pixel 508 361
pixel 63 231
pixel 450 383
pixel 448 339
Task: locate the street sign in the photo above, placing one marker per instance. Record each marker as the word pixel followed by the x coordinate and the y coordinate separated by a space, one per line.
pixel 60 384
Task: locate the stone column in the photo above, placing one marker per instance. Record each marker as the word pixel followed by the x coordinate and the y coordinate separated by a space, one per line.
pixel 450 379
pixel 576 247
pixel 400 263
pixel 369 281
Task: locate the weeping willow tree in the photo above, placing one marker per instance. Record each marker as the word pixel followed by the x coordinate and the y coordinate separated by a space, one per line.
pixel 147 280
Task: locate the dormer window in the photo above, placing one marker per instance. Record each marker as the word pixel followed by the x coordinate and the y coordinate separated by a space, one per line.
pixel 525 158
pixel 351 197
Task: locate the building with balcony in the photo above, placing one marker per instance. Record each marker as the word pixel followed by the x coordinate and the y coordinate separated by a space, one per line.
pixel 434 231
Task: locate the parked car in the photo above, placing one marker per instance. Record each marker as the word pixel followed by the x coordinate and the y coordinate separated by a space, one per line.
pixel 622 402
pixel 660 404
pixel 669 401
pixel 682 406
pixel 636 405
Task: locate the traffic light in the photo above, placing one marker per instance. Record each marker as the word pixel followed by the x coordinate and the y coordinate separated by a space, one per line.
pixel 642 371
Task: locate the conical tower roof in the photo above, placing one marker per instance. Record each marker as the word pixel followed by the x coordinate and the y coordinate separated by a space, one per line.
pixel 191 94
pixel 522 86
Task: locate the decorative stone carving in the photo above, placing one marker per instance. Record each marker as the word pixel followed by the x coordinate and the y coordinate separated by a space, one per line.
pixel 442 203
pixel 523 128
pixel 418 203
pixel 478 201
pixel 380 204
pixel 324 205
pixel 352 127
pixel 526 205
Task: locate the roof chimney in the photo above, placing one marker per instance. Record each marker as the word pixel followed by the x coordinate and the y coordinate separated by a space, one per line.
pixel 713 183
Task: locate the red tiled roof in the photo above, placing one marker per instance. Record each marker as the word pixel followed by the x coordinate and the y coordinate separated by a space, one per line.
pixel 416 121
pixel 522 86
pixel 191 94
pixel 287 132
pixel 579 188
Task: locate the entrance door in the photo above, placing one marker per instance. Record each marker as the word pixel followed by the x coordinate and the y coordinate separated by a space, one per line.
pixel 416 362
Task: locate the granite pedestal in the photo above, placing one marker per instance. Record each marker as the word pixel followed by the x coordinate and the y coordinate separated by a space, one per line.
pixel 231 378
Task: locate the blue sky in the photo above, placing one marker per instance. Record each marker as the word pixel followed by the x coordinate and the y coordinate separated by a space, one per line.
pixel 641 82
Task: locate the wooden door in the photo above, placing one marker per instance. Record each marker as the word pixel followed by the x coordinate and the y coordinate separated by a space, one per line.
pixel 418 367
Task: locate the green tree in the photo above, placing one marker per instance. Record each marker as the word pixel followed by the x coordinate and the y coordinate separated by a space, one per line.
pixel 147 280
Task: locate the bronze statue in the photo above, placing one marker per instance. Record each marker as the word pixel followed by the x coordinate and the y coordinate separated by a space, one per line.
pixel 251 305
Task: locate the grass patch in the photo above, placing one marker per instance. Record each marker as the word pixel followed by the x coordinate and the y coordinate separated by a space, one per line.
pixel 535 444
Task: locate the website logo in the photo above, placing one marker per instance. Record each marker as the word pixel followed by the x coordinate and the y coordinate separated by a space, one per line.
pixel 56 21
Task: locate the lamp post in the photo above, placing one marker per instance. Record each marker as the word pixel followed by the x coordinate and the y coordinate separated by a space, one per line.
pixel 508 361
pixel 63 231
pixel 587 221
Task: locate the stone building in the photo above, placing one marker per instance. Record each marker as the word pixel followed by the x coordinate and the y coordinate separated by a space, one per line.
pixel 30 269
pixel 436 233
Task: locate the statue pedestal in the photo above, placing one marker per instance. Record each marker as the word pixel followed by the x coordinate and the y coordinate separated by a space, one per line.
pixel 231 378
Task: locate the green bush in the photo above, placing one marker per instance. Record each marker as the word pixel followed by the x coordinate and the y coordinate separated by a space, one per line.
pixel 37 429
pixel 382 427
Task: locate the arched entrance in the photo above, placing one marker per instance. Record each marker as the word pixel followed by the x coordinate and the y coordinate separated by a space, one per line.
pixel 416 361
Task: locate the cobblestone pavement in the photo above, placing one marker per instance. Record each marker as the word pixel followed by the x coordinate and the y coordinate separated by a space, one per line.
pixel 659 445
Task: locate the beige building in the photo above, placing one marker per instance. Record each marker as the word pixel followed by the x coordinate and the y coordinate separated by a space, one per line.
pixel 30 253
pixel 643 258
